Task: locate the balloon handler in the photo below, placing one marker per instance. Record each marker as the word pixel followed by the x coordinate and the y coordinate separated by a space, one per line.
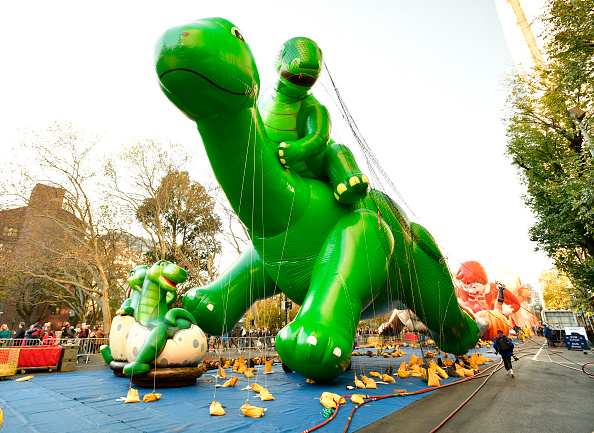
pixel 145 323
pixel 504 346
pixel 341 262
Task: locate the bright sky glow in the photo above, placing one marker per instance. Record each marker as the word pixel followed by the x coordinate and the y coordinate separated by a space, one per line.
pixel 423 80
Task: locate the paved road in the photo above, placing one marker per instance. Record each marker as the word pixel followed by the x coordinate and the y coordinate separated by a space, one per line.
pixel 544 397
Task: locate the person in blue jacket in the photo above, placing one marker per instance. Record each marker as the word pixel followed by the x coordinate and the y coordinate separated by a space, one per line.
pixel 548 334
pixel 505 348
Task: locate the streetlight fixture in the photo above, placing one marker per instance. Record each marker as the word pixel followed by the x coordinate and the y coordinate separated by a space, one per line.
pixel 578 114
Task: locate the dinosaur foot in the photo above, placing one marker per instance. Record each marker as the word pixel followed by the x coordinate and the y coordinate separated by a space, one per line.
pixel 352 189
pixel 136 368
pixel 314 350
pixel 105 351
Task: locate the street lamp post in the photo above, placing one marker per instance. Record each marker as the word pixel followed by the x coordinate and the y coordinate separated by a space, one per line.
pixel 578 114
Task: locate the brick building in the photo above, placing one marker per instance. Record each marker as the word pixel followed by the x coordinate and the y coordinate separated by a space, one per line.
pixel 24 232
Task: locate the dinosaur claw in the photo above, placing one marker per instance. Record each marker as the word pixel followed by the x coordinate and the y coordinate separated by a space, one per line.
pixel 354 181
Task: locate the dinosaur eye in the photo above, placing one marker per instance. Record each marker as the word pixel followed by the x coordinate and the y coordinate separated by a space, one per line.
pixel 235 32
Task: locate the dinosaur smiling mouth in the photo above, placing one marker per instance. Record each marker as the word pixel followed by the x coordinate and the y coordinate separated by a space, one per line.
pixel 205 78
pixel 168 281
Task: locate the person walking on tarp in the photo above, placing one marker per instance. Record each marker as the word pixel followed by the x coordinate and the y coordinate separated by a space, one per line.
pixel 505 348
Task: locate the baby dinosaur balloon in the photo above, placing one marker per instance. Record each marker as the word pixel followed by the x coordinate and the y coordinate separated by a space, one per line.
pixel 340 262
pixel 301 125
pixel 153 312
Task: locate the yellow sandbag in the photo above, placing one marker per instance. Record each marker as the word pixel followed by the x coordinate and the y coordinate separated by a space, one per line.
pixel 358 398
pixel 414 374
pixel 268 366
pixel 358 383
pixel 256 387
pixel 153 396
pixel 241 369
pixel 424 375
pixel 222 373
pixel 388 378
pixel 265 395
pixel 375 374
pixel 252 411
pixel 369 382
pixel 216 409
pixel 23 379
pixel 310 381
pixel 132 396
pixel 331 400
pixel 441 372
pixel 468 372
pixel 230 382
pixel 248 373
pixel 402 371
pixel 413 360
pixel 433 378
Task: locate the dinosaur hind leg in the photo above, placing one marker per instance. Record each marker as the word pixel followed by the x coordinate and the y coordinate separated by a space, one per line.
pixel 150 349
pixel 433 298
pixel 350 269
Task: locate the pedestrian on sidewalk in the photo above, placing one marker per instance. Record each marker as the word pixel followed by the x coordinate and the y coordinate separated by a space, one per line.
pixel 505 348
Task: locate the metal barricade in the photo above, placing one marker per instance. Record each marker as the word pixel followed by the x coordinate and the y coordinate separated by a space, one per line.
pixel 248 347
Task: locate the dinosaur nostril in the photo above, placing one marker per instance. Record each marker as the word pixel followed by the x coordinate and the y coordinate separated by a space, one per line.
pixel 186 34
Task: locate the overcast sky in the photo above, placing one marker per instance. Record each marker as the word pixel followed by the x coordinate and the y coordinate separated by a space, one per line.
pixel 424 81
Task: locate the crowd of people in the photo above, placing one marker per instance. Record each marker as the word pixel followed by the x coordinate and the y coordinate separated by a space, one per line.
pixel 36 334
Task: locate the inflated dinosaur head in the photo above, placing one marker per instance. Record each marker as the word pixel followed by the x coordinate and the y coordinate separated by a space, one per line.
pixel 298 64
pixel 167 275
pixel 136 277
pixel 206 68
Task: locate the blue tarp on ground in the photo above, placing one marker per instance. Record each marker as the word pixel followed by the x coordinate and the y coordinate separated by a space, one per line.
pixel 75 402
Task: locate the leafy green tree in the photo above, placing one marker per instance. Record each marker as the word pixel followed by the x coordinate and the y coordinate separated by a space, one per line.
pixel 556 289
pixel 547 146
pixel 178 214
pixel 184 212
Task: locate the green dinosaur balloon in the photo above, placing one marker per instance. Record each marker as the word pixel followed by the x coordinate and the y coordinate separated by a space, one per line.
pixel 135 281
pixel 342 263
pixel 153 312
pixel 301 125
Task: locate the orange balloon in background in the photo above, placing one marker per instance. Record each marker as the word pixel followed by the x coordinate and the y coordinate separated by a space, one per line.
pixel 496 321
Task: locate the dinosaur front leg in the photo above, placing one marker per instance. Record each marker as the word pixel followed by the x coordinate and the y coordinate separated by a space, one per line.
pixel 350 269
pixel 218 306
